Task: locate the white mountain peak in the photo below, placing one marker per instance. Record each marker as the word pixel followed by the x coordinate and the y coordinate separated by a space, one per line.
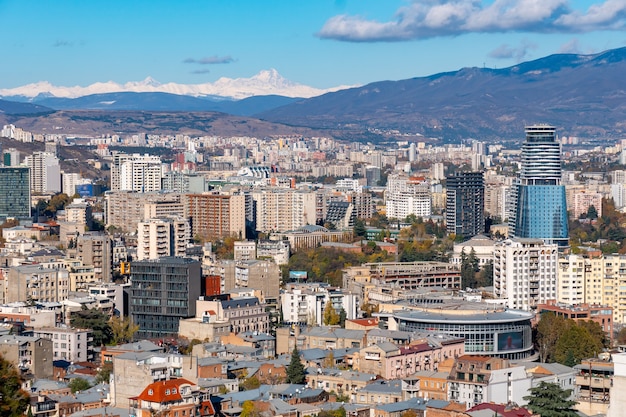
pixel 266 82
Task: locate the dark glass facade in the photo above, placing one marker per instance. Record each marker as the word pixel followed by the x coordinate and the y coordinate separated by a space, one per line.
pixel 14 192
pixel 465 204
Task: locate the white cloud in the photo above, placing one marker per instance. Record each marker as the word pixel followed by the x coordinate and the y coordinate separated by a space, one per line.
pixel 431 18
pixel 519 53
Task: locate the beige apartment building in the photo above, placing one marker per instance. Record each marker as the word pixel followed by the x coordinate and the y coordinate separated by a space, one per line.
pixel 36 283
pixel 162 237
pixel 125 209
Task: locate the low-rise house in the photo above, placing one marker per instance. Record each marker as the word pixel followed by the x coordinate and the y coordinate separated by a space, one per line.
pixel 172 397
pixel 397 409
pixel 342 382
pixel 379 392
pixel 427 385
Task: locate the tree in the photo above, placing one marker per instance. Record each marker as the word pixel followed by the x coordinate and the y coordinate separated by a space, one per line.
pixel 359 228
pixel 550 400
pixel 248 409
pixel 104 374
pixel 79 384
pixel 331 318
pixel 122 329
pixel 549 330
pixel 576 344
pixel 592 212
pixel 97 321
pixel 14 399
pixel 250 383
pixel 340 412
pixel 621 336
pixel 409 413
pixel 295 370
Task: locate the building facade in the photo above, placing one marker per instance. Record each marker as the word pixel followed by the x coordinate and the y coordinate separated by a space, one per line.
pixel 15 192
pixel 163 291
pixel 465 204
pixel 539 210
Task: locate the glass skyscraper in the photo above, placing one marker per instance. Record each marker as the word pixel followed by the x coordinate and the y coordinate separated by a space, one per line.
pixel 14 192
pixel 465 204
pixel 540 209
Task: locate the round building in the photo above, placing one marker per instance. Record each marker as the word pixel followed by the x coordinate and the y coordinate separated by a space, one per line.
pixel 487 330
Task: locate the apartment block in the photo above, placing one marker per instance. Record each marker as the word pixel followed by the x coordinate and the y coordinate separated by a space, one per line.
pixel 73 345
pixel 36 283
pixel 162 237
pixel 216 215
pixel 125 209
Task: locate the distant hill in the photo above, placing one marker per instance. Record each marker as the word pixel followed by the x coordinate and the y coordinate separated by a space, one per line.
pixel 12 107
pixel 582 95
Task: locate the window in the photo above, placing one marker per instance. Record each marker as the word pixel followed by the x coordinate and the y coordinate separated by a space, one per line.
pixel 173 390
pixel 167 392
pixel 150 392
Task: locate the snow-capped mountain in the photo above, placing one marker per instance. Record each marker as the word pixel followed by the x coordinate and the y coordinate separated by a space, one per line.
pixel 267 82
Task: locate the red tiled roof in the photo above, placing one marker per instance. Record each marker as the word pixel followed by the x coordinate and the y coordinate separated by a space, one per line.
pixel 506 411
pixel 160 388
pixel 365 322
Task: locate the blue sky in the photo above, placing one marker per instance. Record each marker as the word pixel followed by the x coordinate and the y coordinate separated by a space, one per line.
pixel 320 43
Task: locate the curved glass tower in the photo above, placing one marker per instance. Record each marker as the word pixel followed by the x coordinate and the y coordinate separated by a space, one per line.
pixel 540 209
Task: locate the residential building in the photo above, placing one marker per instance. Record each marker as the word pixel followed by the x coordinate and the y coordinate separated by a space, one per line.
pixel 28 354
pixel 162 237
pixel 125 209
pixel 246 314
pixel 465 204
pixel 140 173
pixel 94 248
pixel 216 215
pixel 407 195
pixel 70 344
pixel 583 200
pixel 163 291
pixel 15 191
pixel 305 303
pixel 602 315
pixel 278 250
pixel 539 208
pixel 176 397
pixel 45 172
pixel 525 272
pixel 282 210
pixel 37 284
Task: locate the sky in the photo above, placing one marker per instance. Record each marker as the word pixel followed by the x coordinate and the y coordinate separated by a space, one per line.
pixel 319 43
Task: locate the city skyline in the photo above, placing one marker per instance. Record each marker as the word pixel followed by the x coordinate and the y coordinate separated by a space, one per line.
pixel 318 44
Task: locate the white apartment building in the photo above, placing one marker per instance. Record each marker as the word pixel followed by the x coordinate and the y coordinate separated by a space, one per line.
pixel 571 280
pixel 45 172
pixel 407 195
pixel 280 210
pixel 140 173
pixel 278 250
pixel 162 237
pixel 70 181
pixel 525 272
pixel 74 345
pixel 305 303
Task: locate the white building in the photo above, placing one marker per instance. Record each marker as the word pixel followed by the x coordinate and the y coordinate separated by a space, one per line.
pixel 278 250
pixel 162 237
pixel 571 280
pixel 74 345
pixel 305 303
pixel 140 173
pixel 525 272
pixel 45 172
pixel 281 210
pixel 407 195
pixel 245 250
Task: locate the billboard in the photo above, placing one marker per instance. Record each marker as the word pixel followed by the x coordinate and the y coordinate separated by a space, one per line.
pixel 510 341
pixel 298 275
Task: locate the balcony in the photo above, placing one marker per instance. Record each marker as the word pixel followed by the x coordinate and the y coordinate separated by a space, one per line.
pixel 596 383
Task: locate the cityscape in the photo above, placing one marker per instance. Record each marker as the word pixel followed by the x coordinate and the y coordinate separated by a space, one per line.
pixel 352 209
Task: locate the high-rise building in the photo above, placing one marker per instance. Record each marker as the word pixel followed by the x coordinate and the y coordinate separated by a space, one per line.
pixel 15 192
pixel 45 172
pixel 407 195
pixel 163 291
pixel 525 272
pixel 216 215
pixel 162 237
pixel 465 204
pixel 11 157
pixel 540 208
pixel 141 173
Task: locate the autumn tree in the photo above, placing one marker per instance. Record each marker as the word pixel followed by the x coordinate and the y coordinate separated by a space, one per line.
pixel 550 400
pixel 79 384
pixel 122 329
pixel 250 383
pixel 13 399
pixel 331 318
pixel 576 344
pixel 248 409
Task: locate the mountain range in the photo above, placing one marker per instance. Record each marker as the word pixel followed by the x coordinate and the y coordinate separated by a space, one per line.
pixel 583 95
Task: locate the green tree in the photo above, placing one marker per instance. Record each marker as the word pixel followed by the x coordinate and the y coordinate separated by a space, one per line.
pixel 295 369
pixel 343 315
pixel 549 330
pixel 592 212
pixel 550 400
pixel 331 318
pixel 576 344
pixel 340 412
pixel 485 276
pixel 97 321
pixel 13 399
pixel 359 228
pixel 79 384
pixel 122 329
